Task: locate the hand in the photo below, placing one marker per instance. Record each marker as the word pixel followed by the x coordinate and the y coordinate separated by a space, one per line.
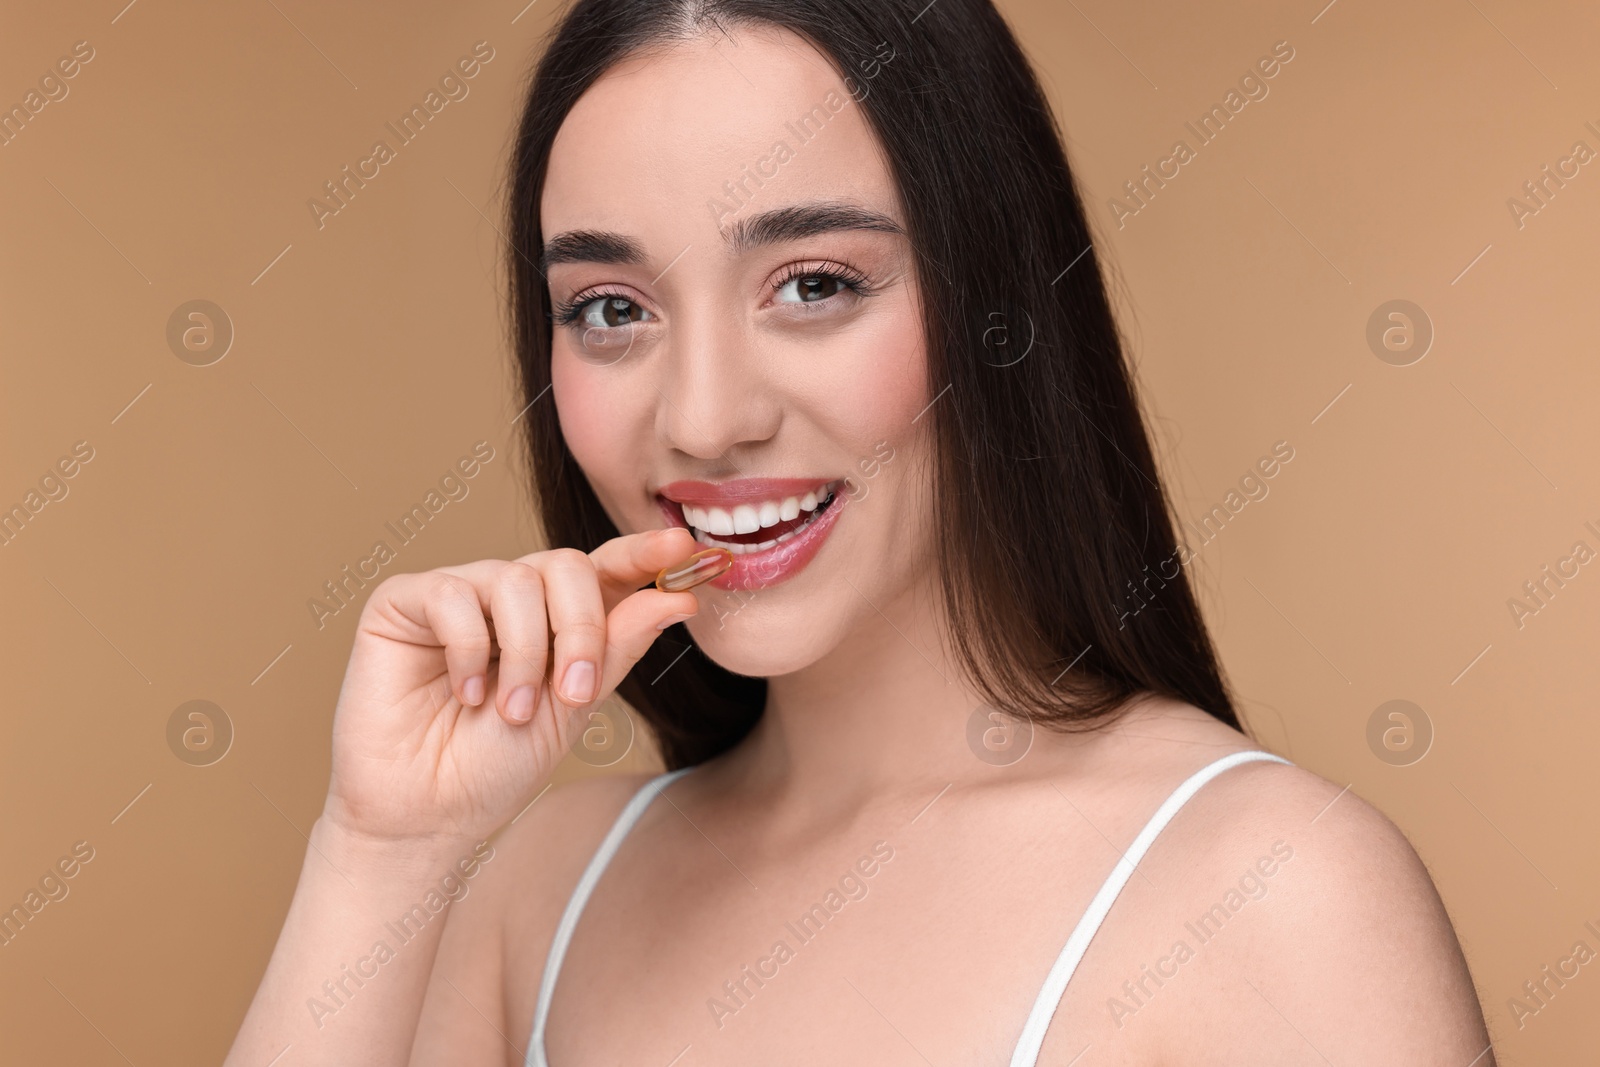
pixel 448 718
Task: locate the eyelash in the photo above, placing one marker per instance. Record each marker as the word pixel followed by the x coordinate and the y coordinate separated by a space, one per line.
pixel 853 280
pixel 566 313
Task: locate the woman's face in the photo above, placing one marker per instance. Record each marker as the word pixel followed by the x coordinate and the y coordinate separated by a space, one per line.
pixel 737 334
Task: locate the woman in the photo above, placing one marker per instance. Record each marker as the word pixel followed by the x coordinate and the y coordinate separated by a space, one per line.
pixel 955 774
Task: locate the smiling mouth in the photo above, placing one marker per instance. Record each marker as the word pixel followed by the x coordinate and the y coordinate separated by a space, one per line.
pixel 758 525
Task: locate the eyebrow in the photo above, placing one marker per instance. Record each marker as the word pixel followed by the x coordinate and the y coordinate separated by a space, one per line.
pixel 770 227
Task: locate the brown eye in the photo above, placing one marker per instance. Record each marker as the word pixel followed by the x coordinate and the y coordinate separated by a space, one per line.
pixel 810 288
pixel 609 311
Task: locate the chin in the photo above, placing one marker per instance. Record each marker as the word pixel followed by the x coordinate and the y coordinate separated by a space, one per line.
pixel 769 632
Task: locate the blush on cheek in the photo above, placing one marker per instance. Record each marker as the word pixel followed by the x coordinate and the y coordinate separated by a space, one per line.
pixel 870 401
pixel 885 386
pixel 597 422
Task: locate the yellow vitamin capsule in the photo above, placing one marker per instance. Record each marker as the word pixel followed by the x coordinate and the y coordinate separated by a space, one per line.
pixel 696 570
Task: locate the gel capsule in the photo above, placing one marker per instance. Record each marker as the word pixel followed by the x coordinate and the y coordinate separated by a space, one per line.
pixel 696 570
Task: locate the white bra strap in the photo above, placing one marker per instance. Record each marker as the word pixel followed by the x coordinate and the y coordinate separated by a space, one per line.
pixel 580 896
pixel 1044 1008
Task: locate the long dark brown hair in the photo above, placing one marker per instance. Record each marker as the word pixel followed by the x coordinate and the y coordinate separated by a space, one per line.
pixel 1064 591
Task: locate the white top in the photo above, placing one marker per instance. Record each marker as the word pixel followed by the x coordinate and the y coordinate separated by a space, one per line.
pixel 1055 983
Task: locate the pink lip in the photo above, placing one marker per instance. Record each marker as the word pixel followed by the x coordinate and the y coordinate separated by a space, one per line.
pixel 756 570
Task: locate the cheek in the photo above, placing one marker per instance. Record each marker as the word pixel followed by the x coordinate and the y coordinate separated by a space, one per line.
pixel 591 405
pixel 875 393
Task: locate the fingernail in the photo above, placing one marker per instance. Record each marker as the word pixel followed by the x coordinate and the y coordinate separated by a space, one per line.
pixel 577 685
pixel 519 705
pixel 673 620
pixel 473 690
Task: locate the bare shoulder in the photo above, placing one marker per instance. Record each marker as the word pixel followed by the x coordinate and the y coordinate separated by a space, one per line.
pixel 547 846
pixel 492 952
pixel 531 865
pixel 1345 947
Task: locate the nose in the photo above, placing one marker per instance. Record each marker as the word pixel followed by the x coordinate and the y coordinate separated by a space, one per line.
pixel 715 399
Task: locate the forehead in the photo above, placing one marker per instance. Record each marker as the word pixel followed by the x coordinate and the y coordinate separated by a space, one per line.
pixel 751 121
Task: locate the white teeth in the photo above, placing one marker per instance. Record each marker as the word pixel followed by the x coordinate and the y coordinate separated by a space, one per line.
pixel 744 550
pixel 710 524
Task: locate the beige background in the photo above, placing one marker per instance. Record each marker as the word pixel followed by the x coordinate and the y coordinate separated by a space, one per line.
pixel 368 356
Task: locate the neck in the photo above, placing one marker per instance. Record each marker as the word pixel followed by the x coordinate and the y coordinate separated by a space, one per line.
pixel 886 711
